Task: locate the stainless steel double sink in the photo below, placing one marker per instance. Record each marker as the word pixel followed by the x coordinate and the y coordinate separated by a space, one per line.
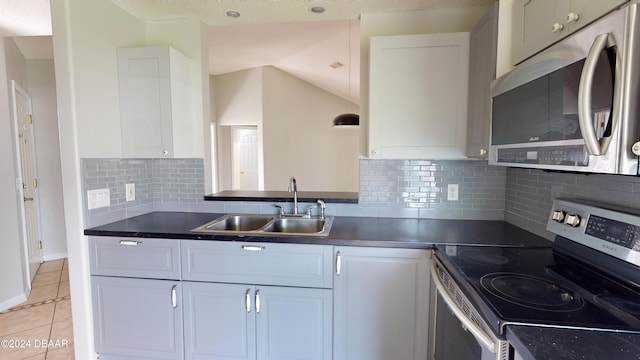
pixel 256 224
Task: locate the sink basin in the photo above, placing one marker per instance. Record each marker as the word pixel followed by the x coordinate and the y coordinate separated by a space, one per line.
pixel 238 223
pixel 252 224
pixel 296 225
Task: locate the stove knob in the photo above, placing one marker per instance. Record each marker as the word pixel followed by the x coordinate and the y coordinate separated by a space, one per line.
pixel 572 219
pixel 558 215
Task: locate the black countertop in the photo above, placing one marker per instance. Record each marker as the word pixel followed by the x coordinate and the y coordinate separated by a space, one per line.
pixel 280 196
pixel 350 231
pixel 533 342
pixel 530 341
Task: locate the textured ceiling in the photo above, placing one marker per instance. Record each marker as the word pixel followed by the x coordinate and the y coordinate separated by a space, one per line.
pixel 24 18
pixel 212 12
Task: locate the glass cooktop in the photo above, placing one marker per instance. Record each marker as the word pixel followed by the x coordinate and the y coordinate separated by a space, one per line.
pixel 541 286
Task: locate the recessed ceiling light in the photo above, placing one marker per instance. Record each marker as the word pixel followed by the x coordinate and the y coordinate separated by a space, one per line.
pixel 317 9
pixel 232 13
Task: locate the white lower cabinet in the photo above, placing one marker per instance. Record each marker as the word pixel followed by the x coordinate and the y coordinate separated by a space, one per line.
pixel 237 321
pixel 137 318
pixel 380 304
pixel 257 300
pixel 137 310
pixel 223 300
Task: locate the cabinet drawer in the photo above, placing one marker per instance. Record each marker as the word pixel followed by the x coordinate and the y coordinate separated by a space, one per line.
pixel 135 257
pixel 258 263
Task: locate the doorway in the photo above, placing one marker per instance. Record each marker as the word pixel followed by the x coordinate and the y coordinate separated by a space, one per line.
pixel 28 179
pixel 244 153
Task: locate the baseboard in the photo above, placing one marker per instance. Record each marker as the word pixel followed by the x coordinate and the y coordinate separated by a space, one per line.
pixel 8 304
pixel 54 256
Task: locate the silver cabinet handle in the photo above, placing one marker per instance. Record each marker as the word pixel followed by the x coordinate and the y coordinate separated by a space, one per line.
pixel 253 247
pixel 595 146
pixel 338 263
pixel 258 301
pixel 130 242
pixel 27 199
pixel 247 300
pixel 174 296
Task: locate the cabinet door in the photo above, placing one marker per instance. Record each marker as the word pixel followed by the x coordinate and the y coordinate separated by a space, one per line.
pixel 482 70
pixel 533 26
pixel 145 102
pixel 137 318
pixel 418 96
pixel 294 323
pixel 381 304
pixel 589 10
pixel 219 321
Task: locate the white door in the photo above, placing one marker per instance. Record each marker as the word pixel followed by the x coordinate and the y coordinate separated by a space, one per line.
pixel 245 158
pixel 28 180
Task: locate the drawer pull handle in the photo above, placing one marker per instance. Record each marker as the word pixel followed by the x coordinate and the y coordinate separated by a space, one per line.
pixel 253 248
pixel 130 242
pixel 247 300
pixel 338 263
pixel 174 296
pixel 258 301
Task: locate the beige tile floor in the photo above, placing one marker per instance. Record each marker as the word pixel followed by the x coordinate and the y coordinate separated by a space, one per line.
pixel 40 328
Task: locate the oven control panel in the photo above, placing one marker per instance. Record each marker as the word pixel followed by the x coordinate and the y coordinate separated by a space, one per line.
pixel 607 228
pixel 613 231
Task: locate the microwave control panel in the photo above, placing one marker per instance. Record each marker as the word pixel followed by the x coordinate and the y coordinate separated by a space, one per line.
pixel 572 155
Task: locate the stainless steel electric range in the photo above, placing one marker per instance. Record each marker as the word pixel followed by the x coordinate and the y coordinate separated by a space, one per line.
pixel 588 279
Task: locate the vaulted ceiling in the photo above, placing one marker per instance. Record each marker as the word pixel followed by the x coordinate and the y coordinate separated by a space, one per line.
pixel 319 47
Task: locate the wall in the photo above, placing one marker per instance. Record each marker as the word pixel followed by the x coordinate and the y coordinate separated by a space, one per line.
pixel 530 194
pixel 295 131
pixel 86 35
pixel 42 88
pixel 238 97
pixel 299 137
pixel 13 279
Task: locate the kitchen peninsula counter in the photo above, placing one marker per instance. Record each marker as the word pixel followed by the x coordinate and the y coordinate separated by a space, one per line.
pixel 346 231
pixel 531 342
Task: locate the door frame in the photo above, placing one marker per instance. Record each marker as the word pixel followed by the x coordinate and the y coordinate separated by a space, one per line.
pixel 235 155
pixel 27 275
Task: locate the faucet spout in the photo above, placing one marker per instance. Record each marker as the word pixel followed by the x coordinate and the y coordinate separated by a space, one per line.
pixel 293 186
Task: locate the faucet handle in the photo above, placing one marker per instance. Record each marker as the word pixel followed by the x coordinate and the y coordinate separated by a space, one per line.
pixel 280 209
pixel 311 208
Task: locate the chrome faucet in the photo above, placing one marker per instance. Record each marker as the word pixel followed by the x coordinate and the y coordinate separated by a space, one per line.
pixel 293 186
pixel 321 206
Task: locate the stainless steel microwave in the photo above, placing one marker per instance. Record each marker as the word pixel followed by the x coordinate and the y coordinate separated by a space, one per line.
pixel 575 105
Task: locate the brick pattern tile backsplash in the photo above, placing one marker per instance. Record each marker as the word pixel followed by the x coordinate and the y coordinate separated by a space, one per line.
pixel 530 194
pixel 157 181
pixel 423 184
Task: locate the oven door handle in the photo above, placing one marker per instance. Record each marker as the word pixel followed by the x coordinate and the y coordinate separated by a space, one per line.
pixel 470 326
pixel 594 145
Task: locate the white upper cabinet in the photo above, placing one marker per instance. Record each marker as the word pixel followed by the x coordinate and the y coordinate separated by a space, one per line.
pixel 418 96
pixel 156 113
pixel 482 70
pixel 539 23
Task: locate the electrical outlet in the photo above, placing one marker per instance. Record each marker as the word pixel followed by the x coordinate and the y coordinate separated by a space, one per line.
pixel 452 192
pixel 130 192
pixel 98 198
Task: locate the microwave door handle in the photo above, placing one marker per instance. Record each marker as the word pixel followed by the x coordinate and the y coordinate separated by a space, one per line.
pixel 594 146
pixel 471 327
